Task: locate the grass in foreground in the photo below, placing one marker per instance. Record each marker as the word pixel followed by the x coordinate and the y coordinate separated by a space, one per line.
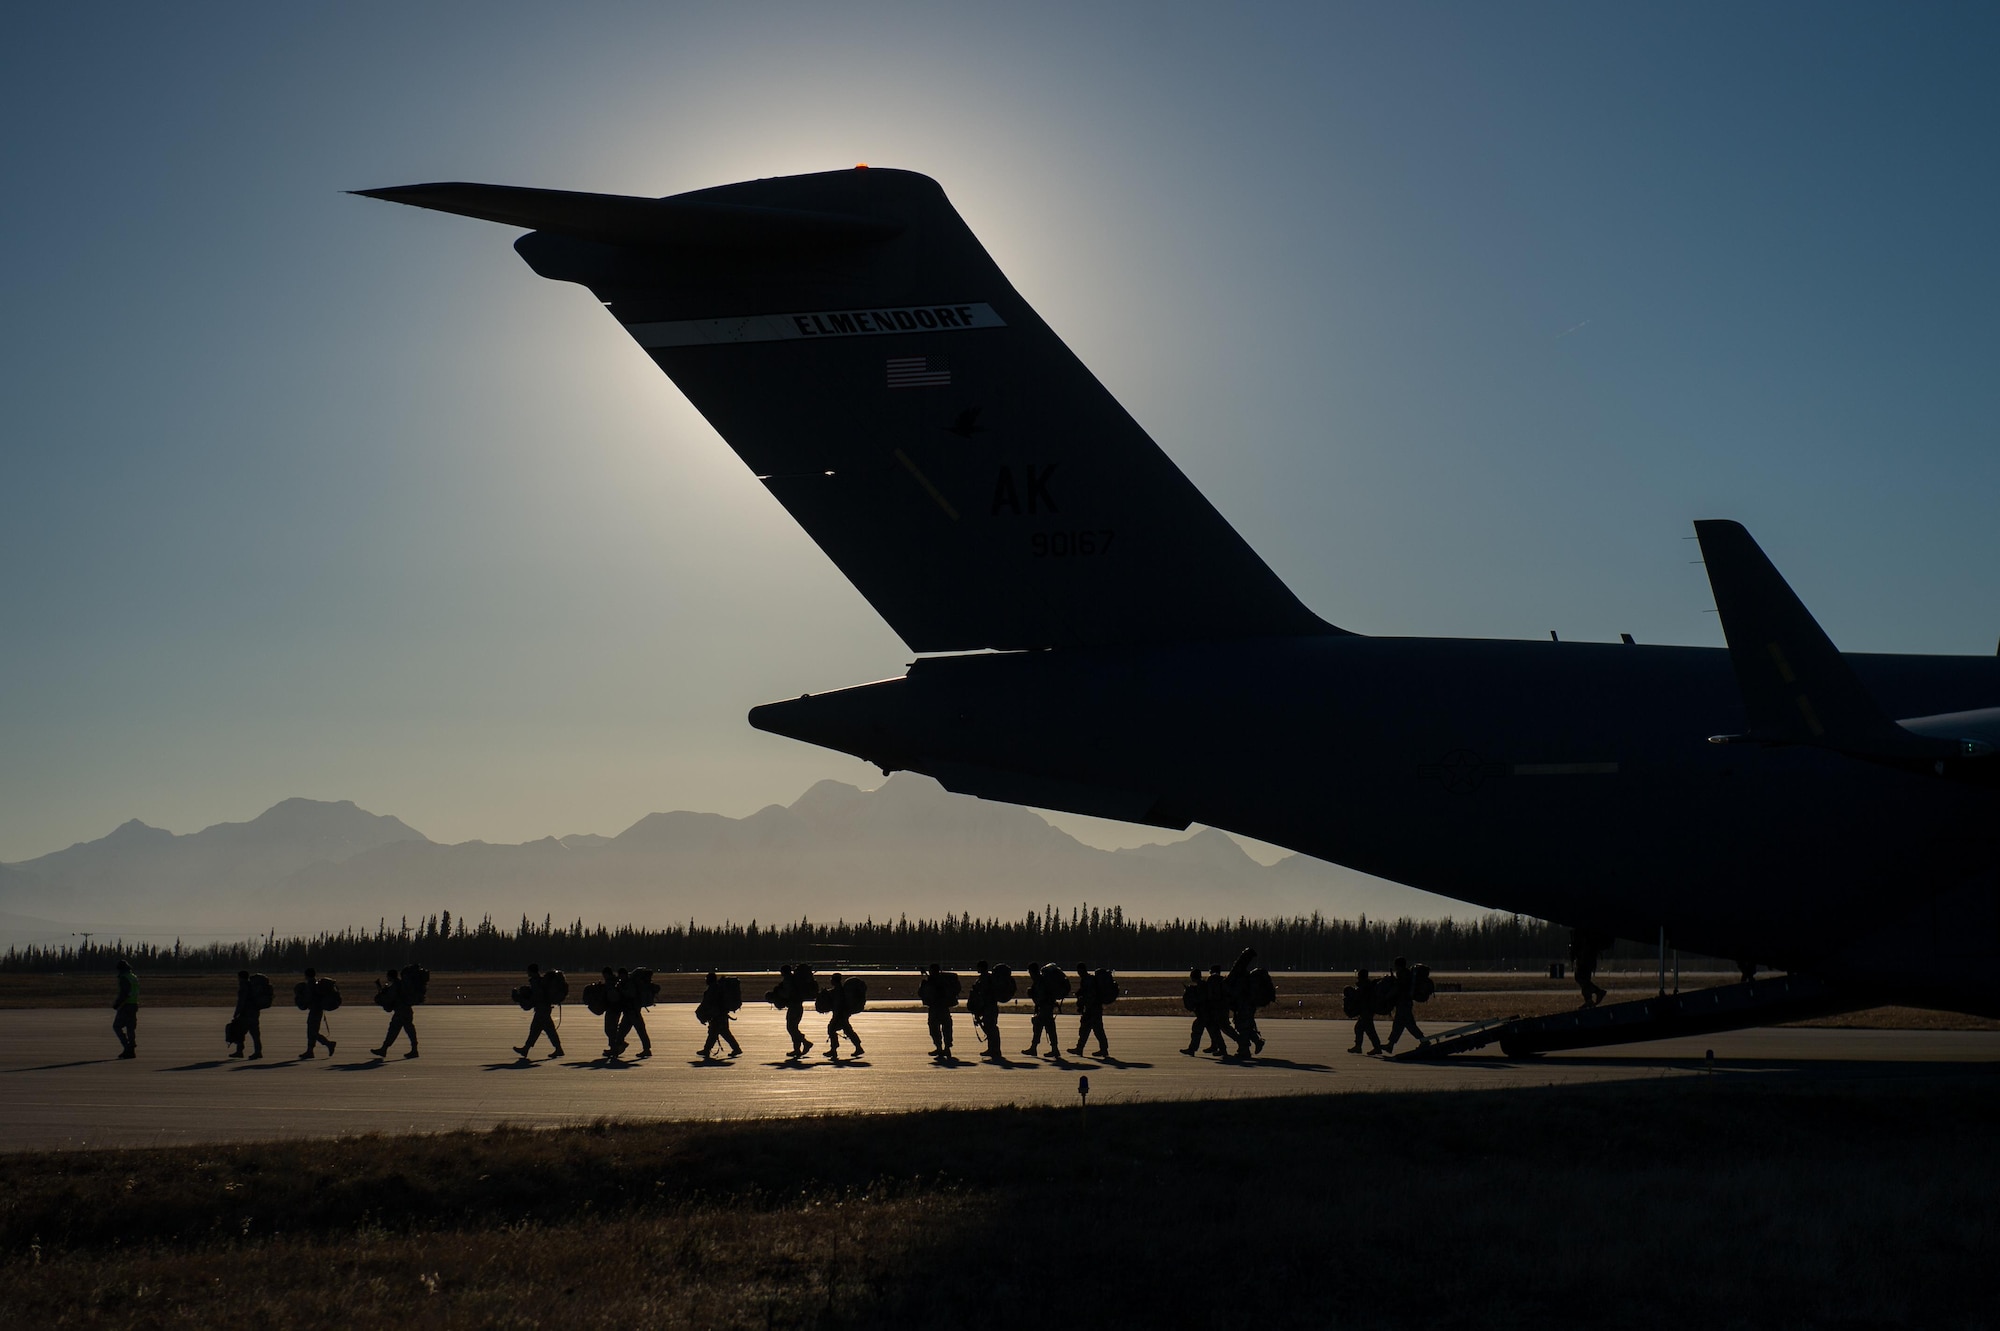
pixel 1697 1202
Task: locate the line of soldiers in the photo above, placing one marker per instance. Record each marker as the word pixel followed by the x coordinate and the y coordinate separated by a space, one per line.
pixel 1224 1007
pixel 1397 992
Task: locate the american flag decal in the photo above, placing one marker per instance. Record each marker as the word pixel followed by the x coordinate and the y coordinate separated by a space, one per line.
pixel 916 372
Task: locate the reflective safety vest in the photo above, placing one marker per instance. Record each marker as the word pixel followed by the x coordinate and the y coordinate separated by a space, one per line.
pixel 130 998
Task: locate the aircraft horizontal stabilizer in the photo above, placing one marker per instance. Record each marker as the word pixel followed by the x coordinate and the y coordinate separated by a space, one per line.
pixel 643 223
pixel 1796 686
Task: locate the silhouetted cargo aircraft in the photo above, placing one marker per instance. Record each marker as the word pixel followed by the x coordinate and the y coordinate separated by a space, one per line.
pixel 1096 638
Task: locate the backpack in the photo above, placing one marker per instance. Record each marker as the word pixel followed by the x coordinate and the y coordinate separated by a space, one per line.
pixel 524 995
pixel 302 996
pixel 1106 986
pixel 1002 983
pixel 1052 984
pixel 823 1001
pixel 1421 984
pixel 639 988
pixel 1263 989
pixel 416 980
pixel 386 996
pixel 597 997
pixel 856 990
pixel 1191 997
pixel 329 995
pixel 732 993
pixel 1351 1001
pixel 780 995
pixel 260 990
pixel 556 985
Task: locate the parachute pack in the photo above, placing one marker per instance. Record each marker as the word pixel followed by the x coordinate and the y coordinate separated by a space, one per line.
pixel 260 990
pixel 1421 984
pixel 1051 986
pixel 1103 987
pixel 856 990
pixel 732 992
pixel 940 990
pixel 1263 989
pixel 523 995
pixel 1001 979
pixel 780 994
pixel 597 997
pixel 1193 994
pixel 416 982
pixel 556 985
pixel 639 987
pixel 1351 1001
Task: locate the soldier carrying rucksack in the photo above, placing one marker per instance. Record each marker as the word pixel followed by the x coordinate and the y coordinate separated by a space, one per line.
pixel 1404 990
pixel 722 996
pixel 540 996
pixel 1095 990
pixel 938 991
pixel 994 986
pixel 397 995
pixel 1203 998
pixel 316 997
pixel 795 988
pixel 840 1000
pixel 1249 987
pixel 253 995
pixel 636 992
pixel 1048 986
pixel 1359 1001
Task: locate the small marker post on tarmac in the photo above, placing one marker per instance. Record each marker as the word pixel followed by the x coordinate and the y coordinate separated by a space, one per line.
pixel 1083 1099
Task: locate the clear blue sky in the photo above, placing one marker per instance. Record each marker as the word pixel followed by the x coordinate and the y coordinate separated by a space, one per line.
pixel 1460 313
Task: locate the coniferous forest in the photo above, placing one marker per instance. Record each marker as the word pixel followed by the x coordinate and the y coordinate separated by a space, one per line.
pixel 1083 934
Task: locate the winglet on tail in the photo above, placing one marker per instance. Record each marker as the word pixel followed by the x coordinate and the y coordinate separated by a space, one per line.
pixel 1797 688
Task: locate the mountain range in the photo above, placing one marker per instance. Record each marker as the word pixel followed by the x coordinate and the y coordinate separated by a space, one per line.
pixel 907 847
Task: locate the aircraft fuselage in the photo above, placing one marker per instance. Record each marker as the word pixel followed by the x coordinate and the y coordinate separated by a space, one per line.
pixel 1569 781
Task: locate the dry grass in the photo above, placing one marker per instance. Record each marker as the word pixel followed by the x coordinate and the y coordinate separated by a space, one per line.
pixel 1839 1203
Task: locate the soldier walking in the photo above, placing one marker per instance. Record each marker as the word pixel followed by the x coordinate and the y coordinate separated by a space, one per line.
pixel 938 992
pixel 841 1019
pixel 246 1021
pixel 125 1009
pixel 1047 986
pixel 1365 995
pixel 1090 1011
pixel 543 1022
pixel 984 1005
pixel 402 1021
pixel 1242 994
pixel 631 991
pixel 800 986
pixel 1403 988
pixel 315 1014
pixel 716 1002
pixel 614 1045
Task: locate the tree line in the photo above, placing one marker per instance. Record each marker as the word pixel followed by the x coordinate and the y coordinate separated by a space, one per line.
pixel 1099 936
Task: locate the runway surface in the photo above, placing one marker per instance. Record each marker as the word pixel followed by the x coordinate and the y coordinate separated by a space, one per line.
pixel 60 1087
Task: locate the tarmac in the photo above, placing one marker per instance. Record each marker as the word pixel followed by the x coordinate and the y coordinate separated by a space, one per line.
pixel 62 1088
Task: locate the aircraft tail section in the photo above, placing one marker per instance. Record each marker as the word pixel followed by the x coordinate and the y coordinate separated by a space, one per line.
pixel 851 339
pixel 1796 686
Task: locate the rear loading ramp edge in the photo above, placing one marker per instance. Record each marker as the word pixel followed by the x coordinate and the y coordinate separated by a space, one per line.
pixel 1697 1012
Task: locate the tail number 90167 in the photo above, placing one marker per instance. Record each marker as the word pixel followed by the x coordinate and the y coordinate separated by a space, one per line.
pixel 1070 544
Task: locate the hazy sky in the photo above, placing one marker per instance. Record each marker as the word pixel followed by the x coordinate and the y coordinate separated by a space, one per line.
pixel 1459 313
